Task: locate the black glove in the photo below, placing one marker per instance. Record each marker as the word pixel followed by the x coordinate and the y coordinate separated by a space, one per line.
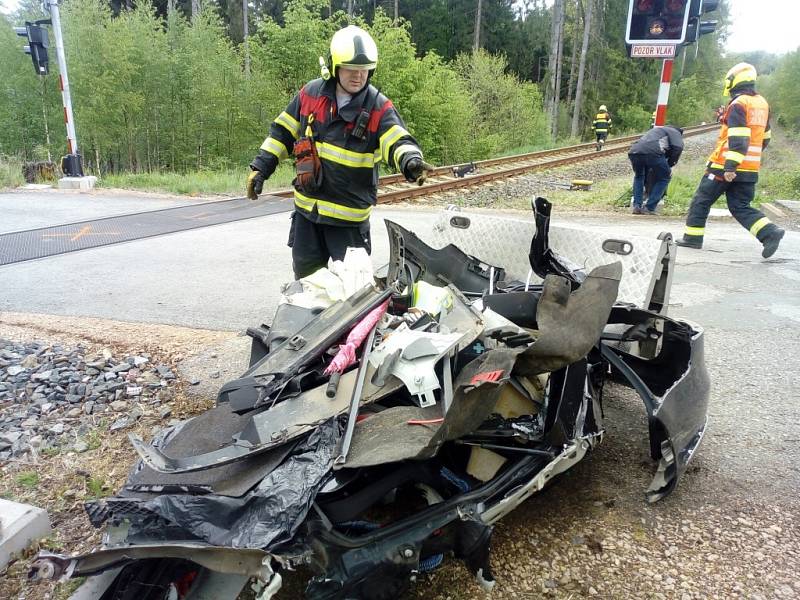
pixel 417 170
pixel 255 184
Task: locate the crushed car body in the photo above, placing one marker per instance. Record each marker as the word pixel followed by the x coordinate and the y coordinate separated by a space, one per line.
pixel 467 386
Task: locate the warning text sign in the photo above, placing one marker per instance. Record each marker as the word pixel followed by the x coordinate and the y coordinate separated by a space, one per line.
pixel 653 51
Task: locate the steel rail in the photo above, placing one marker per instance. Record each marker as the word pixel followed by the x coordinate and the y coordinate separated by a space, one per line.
pixel 394 188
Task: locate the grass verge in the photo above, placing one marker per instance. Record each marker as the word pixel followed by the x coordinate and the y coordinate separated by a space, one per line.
pixel 197 183
pixel 10 172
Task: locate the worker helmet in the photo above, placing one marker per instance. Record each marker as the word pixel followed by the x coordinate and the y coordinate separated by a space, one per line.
pixel 603 107
pixel 354 48
pixel 741 74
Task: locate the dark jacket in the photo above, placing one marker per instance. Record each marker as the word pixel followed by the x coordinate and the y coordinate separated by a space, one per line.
pixel 602 122
pixel 662 140
pixel 349 164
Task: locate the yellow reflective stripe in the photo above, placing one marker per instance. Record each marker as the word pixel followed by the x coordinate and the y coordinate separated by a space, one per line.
pixel 695 231
pixel 394 133
pixel 331 209
pixel 768 135
pixel 743 131
pixel 289 123
pixel 343 213
pixel 400 151
pixel 346 157
pixel 759 225
pixel 273 146
pixel 303 202
pixel 736 157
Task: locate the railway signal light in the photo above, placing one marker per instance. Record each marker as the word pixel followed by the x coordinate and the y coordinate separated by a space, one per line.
pixel 696 27
pixel 37 45
pixel 657 21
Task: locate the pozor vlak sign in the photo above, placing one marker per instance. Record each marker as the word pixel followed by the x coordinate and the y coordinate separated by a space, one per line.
pixel 653 50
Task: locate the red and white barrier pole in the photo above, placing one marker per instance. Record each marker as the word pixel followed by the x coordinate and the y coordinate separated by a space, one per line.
pixel 663 92
pixel 72 162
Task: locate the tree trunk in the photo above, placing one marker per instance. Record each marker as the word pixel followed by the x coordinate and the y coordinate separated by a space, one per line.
pixel 572 69
pixel 559 65
pixel 554 64
pixel 246 35
pixel 476 43
pixel 396 10
pixel 576 111
pixel 349 8
pixel 553 59
pixel 170 7
pixel 195 9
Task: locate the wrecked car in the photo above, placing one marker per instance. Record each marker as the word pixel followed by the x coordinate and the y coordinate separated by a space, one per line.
pixel 388 422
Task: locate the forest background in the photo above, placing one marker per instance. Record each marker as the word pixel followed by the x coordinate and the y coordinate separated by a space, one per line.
pixel 184 86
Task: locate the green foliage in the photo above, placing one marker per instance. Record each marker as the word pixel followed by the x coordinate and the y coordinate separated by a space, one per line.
pixel 96 487
pixel 509 112
pixel 10 172
pixel 28 479
pixel 782 90
pixel 65 590
pixel 154 94
pixel 196 183
pixel 631 118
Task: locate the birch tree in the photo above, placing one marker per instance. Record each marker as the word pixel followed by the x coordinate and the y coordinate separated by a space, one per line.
pixel 576 110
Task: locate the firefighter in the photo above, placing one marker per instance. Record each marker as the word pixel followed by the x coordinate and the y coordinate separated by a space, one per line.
pixel 656 152
pixel 339 128
pixel 601 125
pixel 733 166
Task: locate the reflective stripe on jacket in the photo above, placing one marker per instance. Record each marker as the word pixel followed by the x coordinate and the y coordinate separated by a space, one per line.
pixel 602 122
pixel 744 134
pixel 349 164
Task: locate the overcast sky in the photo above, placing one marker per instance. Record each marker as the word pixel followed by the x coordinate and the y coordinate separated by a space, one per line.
pixel 770 25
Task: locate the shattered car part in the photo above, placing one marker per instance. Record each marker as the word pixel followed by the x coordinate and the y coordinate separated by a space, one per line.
pixel 647 264
pixel 519 400
pixel 419 354
pixel 355 398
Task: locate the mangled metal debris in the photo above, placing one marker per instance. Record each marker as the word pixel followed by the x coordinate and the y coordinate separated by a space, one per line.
pixel 471 390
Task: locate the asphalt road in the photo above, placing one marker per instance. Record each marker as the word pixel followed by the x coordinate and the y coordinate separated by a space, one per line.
pixel 226 277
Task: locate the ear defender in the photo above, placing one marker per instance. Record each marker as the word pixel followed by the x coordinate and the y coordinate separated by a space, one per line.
pixel 323 69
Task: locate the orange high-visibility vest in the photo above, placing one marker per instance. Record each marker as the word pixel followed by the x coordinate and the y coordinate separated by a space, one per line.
pixel 757 116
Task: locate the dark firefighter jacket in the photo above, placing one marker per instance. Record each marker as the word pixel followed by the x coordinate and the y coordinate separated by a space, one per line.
pixel 349 164
pixel 602 122
pixel 660 141
pixel 744 134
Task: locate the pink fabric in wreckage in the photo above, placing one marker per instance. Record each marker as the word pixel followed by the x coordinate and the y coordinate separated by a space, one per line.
pixel 347 351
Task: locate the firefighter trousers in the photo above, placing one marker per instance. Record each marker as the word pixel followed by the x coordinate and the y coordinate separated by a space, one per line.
pixel 739 195
pixel 313 244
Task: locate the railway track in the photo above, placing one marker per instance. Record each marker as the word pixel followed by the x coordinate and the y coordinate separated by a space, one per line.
pixel 394 188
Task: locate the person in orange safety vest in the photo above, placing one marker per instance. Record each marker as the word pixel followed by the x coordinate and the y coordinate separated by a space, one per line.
pixel 734 164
